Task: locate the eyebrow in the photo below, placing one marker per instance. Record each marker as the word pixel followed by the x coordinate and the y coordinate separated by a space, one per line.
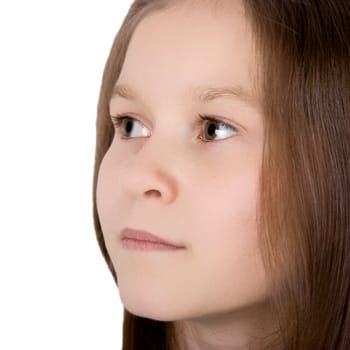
pixel 199 93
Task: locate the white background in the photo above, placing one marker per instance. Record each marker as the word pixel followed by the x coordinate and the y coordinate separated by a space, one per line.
pixel 55 289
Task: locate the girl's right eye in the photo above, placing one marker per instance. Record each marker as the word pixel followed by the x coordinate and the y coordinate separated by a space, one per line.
pixel 129 127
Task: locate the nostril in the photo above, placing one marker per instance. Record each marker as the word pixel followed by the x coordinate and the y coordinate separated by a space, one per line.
pixel 153 193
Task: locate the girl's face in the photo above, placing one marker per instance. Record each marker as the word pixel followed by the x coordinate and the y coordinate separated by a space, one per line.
pixel 195 184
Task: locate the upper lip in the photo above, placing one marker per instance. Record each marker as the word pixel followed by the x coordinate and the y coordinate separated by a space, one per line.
pixel 142 235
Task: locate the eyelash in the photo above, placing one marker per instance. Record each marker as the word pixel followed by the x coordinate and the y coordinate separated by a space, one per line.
pixel 118 119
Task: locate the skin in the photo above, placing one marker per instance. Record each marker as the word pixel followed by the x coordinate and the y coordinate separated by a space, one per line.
pixel 202 195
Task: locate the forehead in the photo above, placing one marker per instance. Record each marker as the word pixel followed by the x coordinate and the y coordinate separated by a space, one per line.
pixel 187 46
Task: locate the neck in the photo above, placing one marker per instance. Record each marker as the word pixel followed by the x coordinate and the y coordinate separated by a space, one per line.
pixel 246 329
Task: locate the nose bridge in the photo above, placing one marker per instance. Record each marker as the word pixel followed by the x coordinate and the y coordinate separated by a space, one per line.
pixel 152 170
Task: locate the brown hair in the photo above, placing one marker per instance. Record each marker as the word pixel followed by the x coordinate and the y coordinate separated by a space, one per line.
pixel 304 203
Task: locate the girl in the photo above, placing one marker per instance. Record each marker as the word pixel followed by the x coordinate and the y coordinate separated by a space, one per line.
pixel 222 174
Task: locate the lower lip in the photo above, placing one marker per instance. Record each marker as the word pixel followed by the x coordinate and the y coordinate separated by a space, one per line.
pixel 133 244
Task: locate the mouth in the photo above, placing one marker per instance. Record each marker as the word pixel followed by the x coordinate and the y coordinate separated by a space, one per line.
pixel 143 240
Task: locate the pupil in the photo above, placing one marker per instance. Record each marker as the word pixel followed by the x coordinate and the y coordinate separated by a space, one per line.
pixel 128 126
pixel 211 129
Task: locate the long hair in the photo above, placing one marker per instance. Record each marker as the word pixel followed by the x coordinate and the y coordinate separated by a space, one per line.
pixel 304 199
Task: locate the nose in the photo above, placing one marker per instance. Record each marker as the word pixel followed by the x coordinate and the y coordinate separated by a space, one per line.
pixel 149 175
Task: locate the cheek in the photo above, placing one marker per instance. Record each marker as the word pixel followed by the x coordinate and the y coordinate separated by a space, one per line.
pixel 228 230
pixel 224 216
pixel 105 194
pixel 224 204
pixel 225 241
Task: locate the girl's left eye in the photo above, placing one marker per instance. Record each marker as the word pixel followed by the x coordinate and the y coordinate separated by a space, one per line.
pixel 212 129
pixel 215 129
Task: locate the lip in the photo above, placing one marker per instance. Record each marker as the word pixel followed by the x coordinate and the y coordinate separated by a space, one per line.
pixel 144 236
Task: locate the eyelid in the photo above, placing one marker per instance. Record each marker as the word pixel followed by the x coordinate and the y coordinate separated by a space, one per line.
pixel 216 119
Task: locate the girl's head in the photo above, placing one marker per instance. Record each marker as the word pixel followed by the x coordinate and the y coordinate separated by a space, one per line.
pixel 222 128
